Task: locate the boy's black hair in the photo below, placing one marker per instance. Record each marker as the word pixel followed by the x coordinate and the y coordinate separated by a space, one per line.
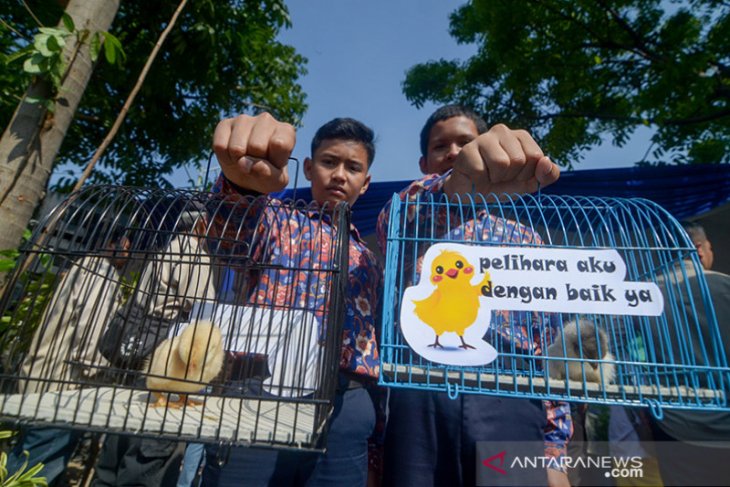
pixel 346 129
pixel 444 113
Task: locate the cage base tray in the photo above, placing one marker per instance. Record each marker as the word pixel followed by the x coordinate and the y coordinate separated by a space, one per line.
pixel 241 421
pixel 497 384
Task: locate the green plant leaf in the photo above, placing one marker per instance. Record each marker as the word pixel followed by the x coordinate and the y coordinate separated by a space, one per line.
pixel 36 64
pixel 53 31
pixel 28 475
pixel 113 49
pixel 591 79
pixel 109 52
pixel 3 470
pixel 56 44
pixel 6 434
pixel 6 265
pixel 40 42
pixel 68 22
pixel 95 46
pixel 50 105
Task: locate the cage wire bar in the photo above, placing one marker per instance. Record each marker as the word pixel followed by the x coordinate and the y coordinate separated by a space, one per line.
pixel 665 361
pixel 178 314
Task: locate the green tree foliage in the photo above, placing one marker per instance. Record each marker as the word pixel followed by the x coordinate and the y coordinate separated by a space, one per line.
pixel 222 58
pixel 573 71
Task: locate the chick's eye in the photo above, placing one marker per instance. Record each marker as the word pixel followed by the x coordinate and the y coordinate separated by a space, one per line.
pixel 439 270
pixel 459 264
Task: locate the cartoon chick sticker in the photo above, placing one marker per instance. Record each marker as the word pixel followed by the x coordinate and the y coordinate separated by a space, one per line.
pixel 451 309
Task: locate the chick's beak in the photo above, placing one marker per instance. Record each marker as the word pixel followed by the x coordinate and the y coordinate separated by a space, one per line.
pixel 452 273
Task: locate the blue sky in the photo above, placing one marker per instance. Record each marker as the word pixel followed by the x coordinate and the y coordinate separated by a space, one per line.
pixel 358 54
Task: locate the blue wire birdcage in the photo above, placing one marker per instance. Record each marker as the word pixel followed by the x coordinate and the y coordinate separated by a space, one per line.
pixel 636 328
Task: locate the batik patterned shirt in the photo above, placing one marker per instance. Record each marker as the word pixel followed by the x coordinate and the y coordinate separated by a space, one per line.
pixel 295 247
pixel 513 332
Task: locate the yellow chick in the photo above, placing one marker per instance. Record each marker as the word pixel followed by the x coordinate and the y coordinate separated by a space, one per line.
pixel 454 304
pixel 195 356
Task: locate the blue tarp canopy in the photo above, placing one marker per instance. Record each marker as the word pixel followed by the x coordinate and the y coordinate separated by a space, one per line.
pixel 684 191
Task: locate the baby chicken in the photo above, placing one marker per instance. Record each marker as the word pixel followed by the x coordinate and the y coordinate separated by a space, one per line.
pixel 454 304
pixel 589 346
pixel 196 356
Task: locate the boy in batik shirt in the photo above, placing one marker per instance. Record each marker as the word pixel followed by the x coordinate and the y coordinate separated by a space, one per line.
pixel 296 247
pixel 430 438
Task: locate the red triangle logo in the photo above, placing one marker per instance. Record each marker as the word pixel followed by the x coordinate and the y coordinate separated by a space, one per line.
pixel 500 456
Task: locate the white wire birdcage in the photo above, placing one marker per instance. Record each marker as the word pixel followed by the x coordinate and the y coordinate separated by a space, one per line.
pixel 584 299
pixel 163 313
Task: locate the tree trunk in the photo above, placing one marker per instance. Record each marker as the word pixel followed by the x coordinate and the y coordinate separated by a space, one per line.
pixel 33 137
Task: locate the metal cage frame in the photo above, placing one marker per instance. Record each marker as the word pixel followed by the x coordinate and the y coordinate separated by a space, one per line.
pixel 114 398
pixel 655 249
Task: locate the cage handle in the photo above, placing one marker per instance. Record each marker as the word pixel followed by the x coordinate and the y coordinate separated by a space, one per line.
pixel 656 409
pixel 452 390
pixel 207 170
pixel 296 178
pixel 223 455
pixel 474 190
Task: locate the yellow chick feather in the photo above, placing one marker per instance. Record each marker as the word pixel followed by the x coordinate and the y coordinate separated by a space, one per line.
pixel 195 356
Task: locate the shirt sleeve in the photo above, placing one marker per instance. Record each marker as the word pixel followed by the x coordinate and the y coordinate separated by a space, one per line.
pixel 241 222
pixel 558 431
pixel 430 184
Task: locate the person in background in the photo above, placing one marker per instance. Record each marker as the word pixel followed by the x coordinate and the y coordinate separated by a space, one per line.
pixel 431 439
pixel 64 348
pixel 700 439
pixel 703 245
pixel 684 447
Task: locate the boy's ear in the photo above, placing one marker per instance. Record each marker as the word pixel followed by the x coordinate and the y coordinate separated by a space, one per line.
pixel 423 165
pixel 365 185
pixel 308 168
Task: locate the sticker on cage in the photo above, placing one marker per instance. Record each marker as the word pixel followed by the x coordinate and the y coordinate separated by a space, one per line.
pixel 444 317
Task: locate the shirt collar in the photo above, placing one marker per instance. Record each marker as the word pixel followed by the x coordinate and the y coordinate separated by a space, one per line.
pixel 313 211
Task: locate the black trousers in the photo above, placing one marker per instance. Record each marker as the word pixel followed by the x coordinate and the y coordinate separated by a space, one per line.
pixel 431 440
pixel 130 461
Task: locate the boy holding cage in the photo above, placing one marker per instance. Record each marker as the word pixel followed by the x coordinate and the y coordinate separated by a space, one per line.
pixel 295 244
pixel 431 439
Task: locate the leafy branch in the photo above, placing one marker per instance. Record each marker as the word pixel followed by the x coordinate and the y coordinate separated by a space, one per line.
pixel 44 57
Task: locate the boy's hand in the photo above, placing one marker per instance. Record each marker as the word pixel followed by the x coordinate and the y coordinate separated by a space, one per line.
pixel 501 161
pixel 253 152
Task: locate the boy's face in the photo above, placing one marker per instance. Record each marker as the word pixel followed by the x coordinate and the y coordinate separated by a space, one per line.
pixel 338 171
pixel 445 141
